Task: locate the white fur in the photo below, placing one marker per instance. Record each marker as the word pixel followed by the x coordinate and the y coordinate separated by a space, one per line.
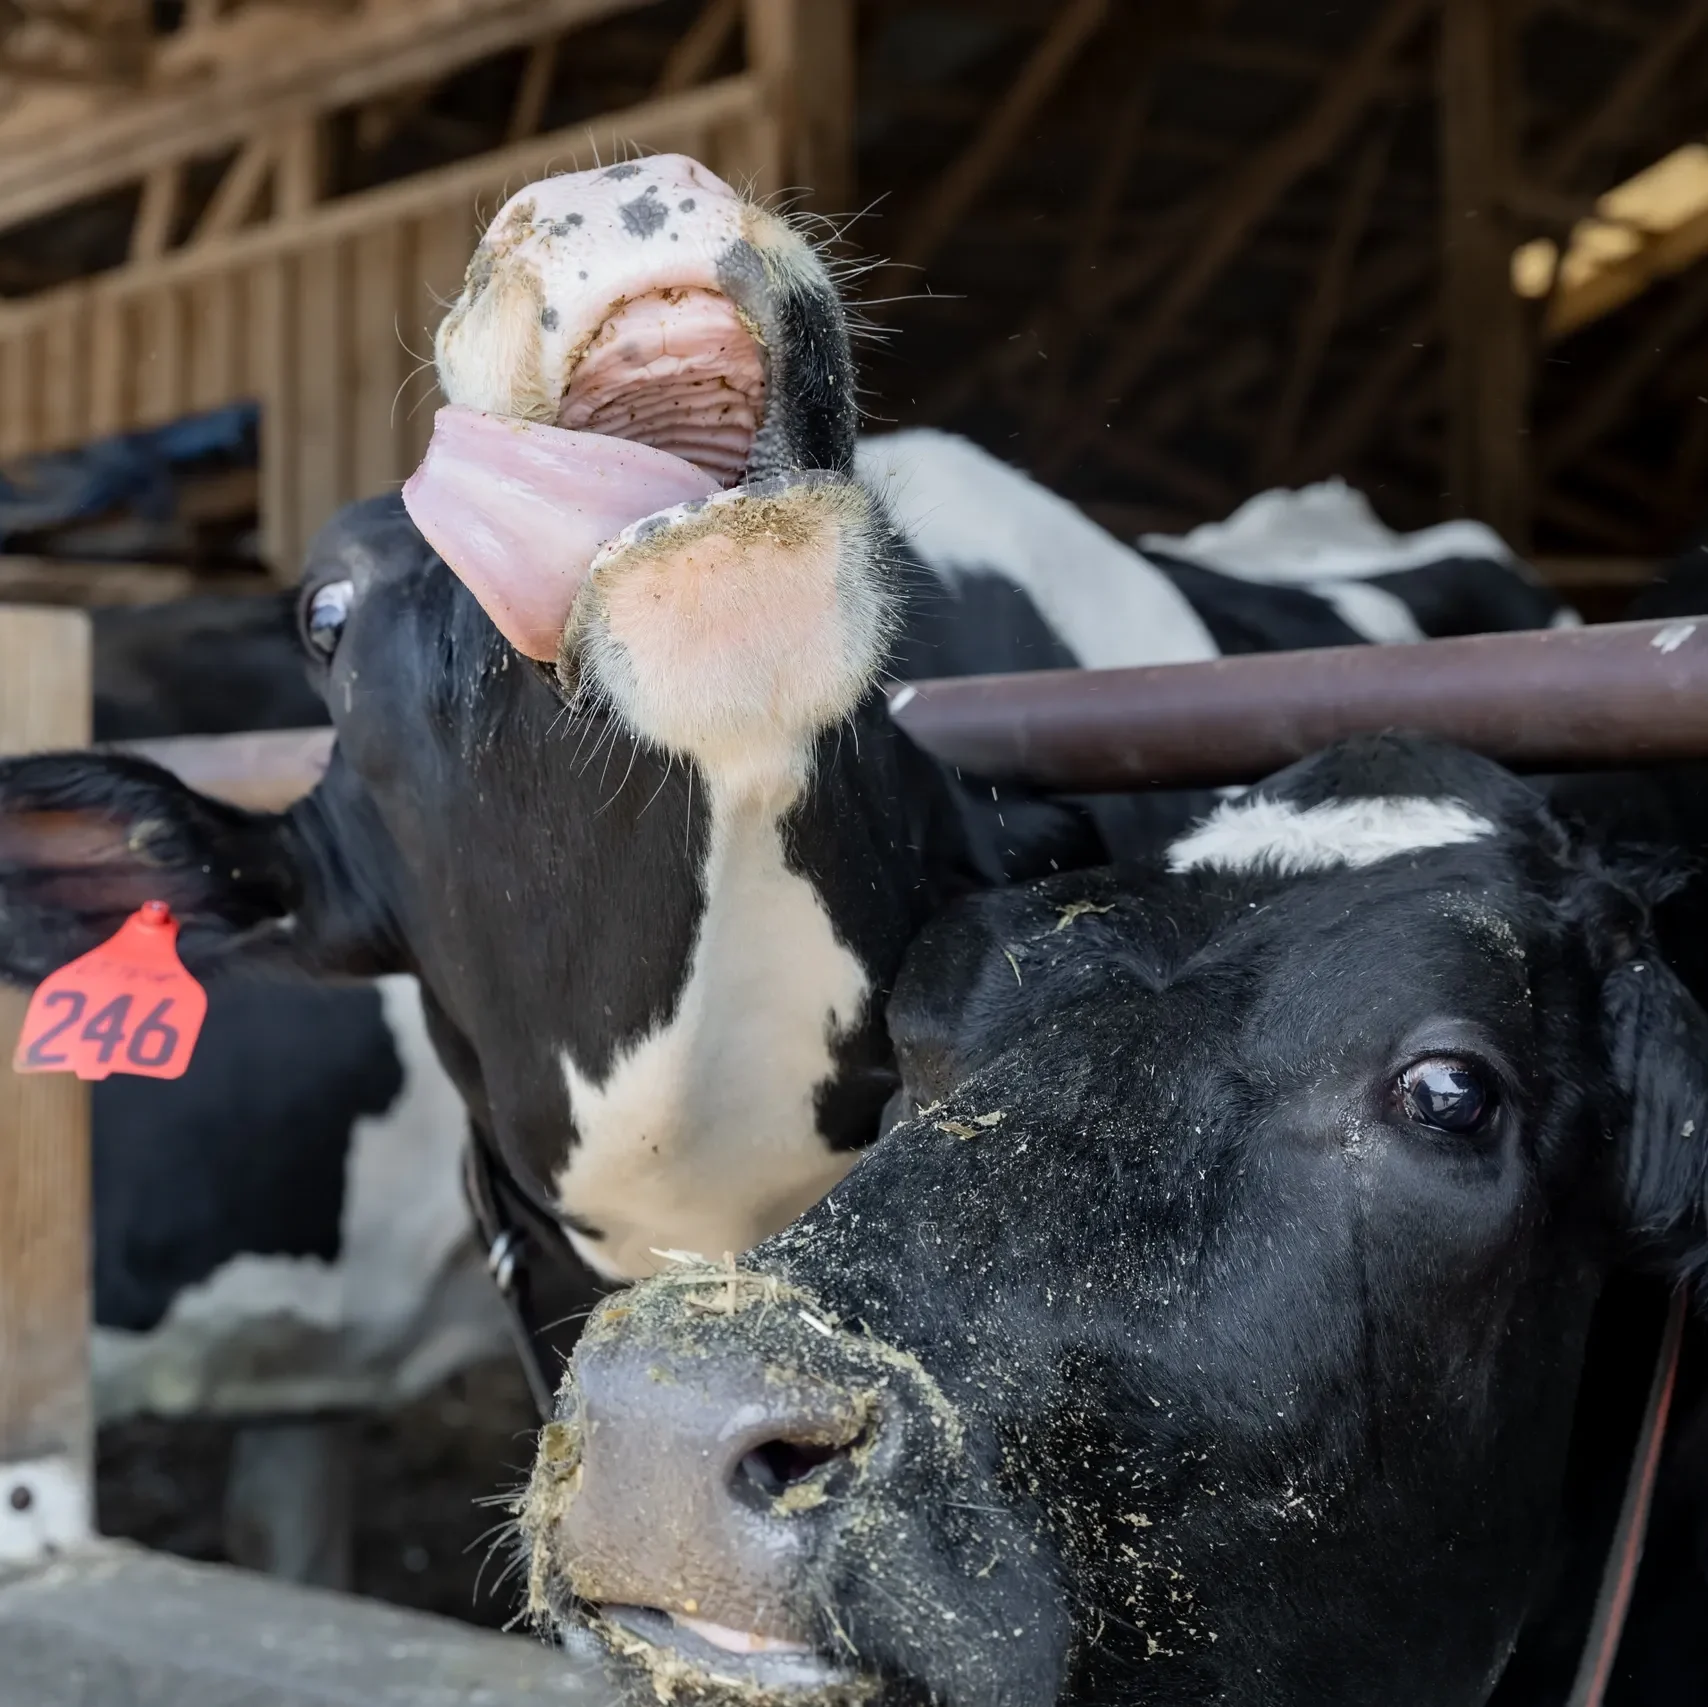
pixel 964 511
pixel 703 1136
pixel 1326 532
pixel 1375 614
pixel 1257 833
pixel 406 1305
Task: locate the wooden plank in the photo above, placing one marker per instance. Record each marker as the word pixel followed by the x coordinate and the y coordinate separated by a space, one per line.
pixel 679 122
pixel 1483 320
pixel 160 356
pixel 19 393
pixel 272 344
pixel 65 373
pixel 234 198
pixel 442 246
pixel 111 368
pixel 333 66
pixel 299 177
pixel 215 359
pixel 324 463
pixel 533 91
pixel 44 1152
pixel 156 212
pixel 377 361
pixel 55 581
pixel 1002 131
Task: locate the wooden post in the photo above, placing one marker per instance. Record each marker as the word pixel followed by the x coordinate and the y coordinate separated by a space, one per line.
pixel 45 1453
pixel 1488 362
pixel 804 52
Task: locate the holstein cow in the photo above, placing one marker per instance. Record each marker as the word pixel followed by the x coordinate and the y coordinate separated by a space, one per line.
pixel 641 826
pixel 628 802
pixel 280 1237
pixel 1211 1328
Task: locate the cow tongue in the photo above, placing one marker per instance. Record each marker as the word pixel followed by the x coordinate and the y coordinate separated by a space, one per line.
pixel 518 510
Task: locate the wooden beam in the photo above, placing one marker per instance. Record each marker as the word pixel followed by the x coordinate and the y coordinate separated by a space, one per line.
pixel 970 173
pixel 55 581
pixel 335 64
pixel 156 213
pixel 1321 309
pixel 1630 93
pixel 802 51
pixel 1488 354
pixel 299 179
pixel 235 195
pixel 1254 189
pixel 45 1424
pixel 697 50
pixel 532 93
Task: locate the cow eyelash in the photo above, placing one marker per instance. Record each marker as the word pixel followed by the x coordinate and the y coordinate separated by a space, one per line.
pixel 1452 1094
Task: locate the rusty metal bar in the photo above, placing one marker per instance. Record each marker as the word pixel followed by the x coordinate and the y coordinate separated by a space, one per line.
pixel 1616 694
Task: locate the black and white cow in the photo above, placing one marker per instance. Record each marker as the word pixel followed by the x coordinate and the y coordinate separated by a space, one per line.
pixel 1212 1328
pixel 280 1236
pixel 651 843
pixel 628 803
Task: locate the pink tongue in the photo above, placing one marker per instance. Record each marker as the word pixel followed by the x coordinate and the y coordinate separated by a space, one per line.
pixel 518 510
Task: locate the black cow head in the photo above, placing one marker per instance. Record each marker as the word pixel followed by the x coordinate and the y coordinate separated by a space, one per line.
pixel 1211 1330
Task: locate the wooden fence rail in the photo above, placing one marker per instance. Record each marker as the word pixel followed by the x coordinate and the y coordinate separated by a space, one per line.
pixel 324 319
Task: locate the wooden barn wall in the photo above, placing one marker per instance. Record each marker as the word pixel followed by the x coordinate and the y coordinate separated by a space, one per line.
pixel 324 320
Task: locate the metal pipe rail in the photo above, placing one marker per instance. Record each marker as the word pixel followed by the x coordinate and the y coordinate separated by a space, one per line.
pixel 1629 693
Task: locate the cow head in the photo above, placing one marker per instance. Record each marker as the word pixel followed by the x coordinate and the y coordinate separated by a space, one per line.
pixel 630 808
pixel 1211 1330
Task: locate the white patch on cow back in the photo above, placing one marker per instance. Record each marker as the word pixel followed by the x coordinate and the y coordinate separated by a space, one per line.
pixel 1325 532
pixel 406 1304
pixel 1276 835
pixel 703 1136
pixel 964 512
pixel 1372 613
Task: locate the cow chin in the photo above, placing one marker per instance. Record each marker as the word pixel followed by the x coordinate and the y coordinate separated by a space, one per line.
pixel 838 1544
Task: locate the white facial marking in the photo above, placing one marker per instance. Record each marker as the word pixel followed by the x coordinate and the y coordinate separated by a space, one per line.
pixel 703 1136
pixel 1253 834
pixel 964 511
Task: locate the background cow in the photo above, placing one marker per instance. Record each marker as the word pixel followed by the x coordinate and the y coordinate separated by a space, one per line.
pixel 280 1236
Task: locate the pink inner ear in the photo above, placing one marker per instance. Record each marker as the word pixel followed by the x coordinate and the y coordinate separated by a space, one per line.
pixel 518 510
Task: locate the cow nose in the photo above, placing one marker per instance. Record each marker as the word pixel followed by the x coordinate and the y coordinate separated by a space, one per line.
pixel 701 1484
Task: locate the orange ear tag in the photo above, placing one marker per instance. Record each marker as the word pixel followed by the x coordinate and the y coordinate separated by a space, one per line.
pixel 125 1007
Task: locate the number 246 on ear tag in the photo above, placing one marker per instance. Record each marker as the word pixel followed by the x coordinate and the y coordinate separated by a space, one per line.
pixel 127 1006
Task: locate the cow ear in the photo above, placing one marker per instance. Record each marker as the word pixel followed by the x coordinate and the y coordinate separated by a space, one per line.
pixel 86 838
pixel 1657 1037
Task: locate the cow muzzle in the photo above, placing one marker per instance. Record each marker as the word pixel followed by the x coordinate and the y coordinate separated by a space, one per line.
pixel 719 1440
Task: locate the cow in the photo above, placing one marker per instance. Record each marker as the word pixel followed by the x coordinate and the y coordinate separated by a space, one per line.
pixel 655 886
pixel 629 804
pixel 1209 1326
pixel 280 1237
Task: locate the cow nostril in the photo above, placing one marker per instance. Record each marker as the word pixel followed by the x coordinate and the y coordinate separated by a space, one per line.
pixel 772 1467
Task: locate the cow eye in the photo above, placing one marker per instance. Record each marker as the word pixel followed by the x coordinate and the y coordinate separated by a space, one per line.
pixel 328 610
pixel 1447 1093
